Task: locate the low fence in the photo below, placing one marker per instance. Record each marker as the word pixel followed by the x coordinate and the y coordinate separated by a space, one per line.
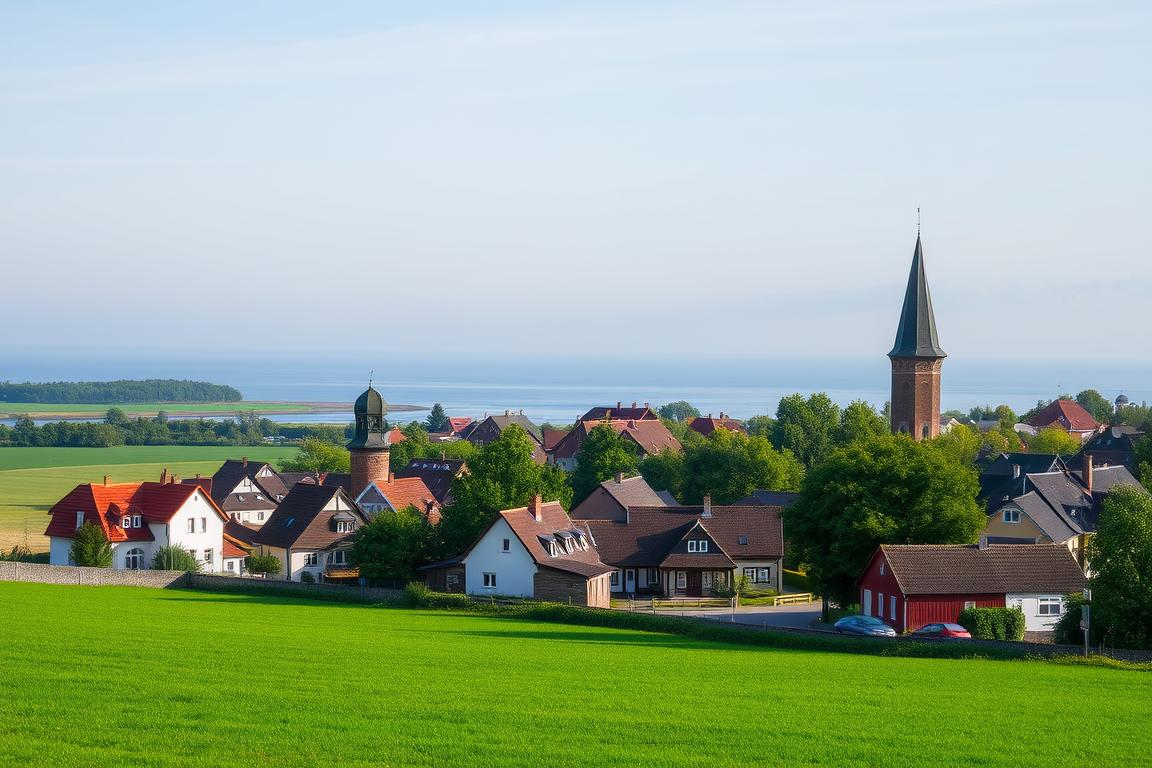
pixel 281 587
pixel 38 573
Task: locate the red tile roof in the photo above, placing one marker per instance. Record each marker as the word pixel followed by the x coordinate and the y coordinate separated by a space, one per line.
pixel 649 434
pixel 953 569
pixel 553 520
pixel 457 424
pixel 1069 415
pixel 105 505
pixel 651 534
pixel 706 425
pixel 231 550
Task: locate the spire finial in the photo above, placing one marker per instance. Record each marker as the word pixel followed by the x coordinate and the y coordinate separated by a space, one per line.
pixel 371 373
pixel 917 221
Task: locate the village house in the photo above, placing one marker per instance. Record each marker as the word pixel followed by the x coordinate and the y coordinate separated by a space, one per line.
pixel 1067 415
pixel 691 550
pixel 436 474
pixel 910 585
pixel 397 494
pixel 248 492
pixel 706 425
pixel 311 532
pixel 611 499
pixel 1110 446
pixel 647 436
pixel 1059 506
pixel 621 412
pixel 535 552
pixel 491 427
pixel 138 519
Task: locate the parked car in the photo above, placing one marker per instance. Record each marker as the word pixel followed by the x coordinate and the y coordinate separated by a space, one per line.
pixel 864 625
pixel 941 632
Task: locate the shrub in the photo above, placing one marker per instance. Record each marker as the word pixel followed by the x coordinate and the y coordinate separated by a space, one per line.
pixel 306 577
pixel 993 623
pixel 172 558
pixel 91 547
pixel 269 564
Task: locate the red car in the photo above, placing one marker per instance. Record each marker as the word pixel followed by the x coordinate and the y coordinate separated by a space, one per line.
pixel 941 632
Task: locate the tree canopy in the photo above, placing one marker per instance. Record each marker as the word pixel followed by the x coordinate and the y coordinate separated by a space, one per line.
pixel 860 421
pixel 121 391
pixel 417 445
pixel 1096 404
pixel 318 456
pixel 603 454
pixel 90 547
pixel 502 475
pixel 1053 440
pixel 806 426
pixel 437 420
pixel 884 489
pixel 390 547
pixel 679 410
pixel 1121 556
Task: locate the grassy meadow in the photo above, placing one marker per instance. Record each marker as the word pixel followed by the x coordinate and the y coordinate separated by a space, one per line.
pixel 182 678
pixel 33 479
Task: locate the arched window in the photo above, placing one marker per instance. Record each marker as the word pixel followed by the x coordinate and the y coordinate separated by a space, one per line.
pixel 925 432
pixel 134 559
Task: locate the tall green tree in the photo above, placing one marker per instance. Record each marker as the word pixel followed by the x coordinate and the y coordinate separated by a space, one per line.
pixel 437 420
pixel 90 547
pixel 1142 455
pixel 1053 440
pixel 1121 558
pixel 392 545
pixel 1096 404
pixel 502 475
pixel 679 410
pixel 664 471
pixel 860 421
pixel 963 442
pixel 806 426
pixel 318 456
pixel 760 426
pixel 603 454
pixel 886 489
pixel 730 465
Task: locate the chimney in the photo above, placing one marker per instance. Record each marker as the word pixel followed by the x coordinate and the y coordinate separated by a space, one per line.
pixel 105 479
pixel 535 507
pixel 983 544
pixel 163 476
pixel 507 412
pixel 619 477
pixel 1088 472
pixel 707 506
pixel 175 478
pixel 619 404
pixel 197 475
pixel 631 423
pixel 391 477
pixel 243 461
pixel 633 405
pixel 1015 471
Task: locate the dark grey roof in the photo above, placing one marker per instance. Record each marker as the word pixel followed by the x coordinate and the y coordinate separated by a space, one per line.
pixel 916 333
pixel 768 499
pixel 633 492
pixel 232 471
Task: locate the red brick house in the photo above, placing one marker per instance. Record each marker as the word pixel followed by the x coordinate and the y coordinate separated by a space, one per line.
pixel 1067 415
pixel 910 585
pixel 706 425
pixel 648 436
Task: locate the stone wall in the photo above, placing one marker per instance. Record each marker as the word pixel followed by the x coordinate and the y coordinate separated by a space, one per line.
pixel 213 582
pixel 40 573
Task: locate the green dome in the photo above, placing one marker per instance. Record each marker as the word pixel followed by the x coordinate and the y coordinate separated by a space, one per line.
pixel 370 404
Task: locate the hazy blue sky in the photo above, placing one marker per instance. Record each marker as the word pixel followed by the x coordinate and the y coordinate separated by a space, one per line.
pixel 719 177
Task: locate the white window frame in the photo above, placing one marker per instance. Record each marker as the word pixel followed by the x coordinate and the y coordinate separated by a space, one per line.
pixel 881 567
pixel 615 581
pixel 203 525
pixel 1011 516
pixel 126 523
pixel 750 574
pixel 892 607
pixel 702 546
pixel 681 580
pixel 764 575
pixel 132 555
pixel 489 580
pixel 309 559
pixel 260 515
pixel 969 604
pixel 653 575
pixel 692 546
pixel 191 525
pixel 880 602
pixel 137 521
pixel 208 555
pixel 706 580
pixel 1045 603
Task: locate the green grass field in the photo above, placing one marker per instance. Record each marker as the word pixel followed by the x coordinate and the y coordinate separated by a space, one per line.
pixel 118 676
pixel 63 410
pixel 33 479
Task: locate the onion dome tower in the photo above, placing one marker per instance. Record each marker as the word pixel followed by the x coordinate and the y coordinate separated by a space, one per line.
pixel 370 445
pixel 916 359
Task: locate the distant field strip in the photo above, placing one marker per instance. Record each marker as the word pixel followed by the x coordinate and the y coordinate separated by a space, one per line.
pixel 50 410
pixel 358 686
pixel 33 479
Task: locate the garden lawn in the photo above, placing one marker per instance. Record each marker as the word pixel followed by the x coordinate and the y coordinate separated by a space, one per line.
pixel 33 479
pixel 118 676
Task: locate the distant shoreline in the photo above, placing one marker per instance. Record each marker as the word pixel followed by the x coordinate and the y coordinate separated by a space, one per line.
pixel 88 411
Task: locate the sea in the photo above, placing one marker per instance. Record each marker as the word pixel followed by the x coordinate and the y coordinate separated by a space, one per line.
pixel 558 389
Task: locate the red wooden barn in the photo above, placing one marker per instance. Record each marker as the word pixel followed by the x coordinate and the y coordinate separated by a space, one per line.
pixel 910 585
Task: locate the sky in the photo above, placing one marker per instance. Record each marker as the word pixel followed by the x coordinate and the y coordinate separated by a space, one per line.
pixel 592 178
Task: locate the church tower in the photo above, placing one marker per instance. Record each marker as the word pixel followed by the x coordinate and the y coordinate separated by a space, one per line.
pixel 369 447
pixel 916 359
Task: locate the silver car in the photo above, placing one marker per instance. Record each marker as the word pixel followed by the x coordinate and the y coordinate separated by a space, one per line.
pixel 864 625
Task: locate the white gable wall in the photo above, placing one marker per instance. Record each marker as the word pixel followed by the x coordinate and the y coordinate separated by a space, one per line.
pixel 1029 603
pixel 197 508
pixel 515 570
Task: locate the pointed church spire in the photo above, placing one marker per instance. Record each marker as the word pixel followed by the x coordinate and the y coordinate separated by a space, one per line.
pixel 916 334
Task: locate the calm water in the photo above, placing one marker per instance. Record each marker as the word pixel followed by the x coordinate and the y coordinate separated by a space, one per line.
pixel 559 390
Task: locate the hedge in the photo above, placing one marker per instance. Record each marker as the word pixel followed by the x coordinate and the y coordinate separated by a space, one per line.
pixel 993 623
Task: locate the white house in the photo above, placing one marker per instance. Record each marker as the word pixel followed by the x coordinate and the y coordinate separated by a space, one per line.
pixel 138 519
pixel 537 552
pixel 311 532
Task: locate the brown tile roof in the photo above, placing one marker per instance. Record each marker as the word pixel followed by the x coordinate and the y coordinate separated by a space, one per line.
pixel 621 411
pixel 553 520
pixel 1066 414
pixel 953 569
pixel 301 520
pixel 552 436
pixel 706 425
pixel 681 556
pixel 232 471
pixel 632 492
pixel 651 436
pixel 651 533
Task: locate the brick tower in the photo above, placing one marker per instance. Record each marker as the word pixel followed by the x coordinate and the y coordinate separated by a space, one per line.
pixel 369 448
pixel 916 359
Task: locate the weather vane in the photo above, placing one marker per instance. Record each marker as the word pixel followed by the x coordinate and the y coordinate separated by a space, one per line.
pixel 370 374
pixel 917 221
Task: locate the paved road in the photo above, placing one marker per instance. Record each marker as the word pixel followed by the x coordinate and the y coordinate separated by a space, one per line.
pixel 799 616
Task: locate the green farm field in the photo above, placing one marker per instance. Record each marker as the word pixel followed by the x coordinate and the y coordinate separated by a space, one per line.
pixel 155 677
pixel 33 479
pixel 90 410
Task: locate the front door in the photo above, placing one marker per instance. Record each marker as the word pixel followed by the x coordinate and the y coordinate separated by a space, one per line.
pixel 694 583
pixel 629 580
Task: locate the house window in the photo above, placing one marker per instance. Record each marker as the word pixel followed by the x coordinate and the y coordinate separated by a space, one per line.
pixel 653 575
pixel 692 546
pixel 309 559
pixel 881 567
pixel 681 580
pixel 79 519
pixel 230 565
pixel 260 515
pixel 764 574
pixel 1049 606
pixel 552 548
pixel 969 604
pixel 615 578
pixel 750 574
pixel 134 560
pixel 880 605
pixel 340 557
pixel 743 540
pixel 191 525
pixel 126 522
pixel 203 525
pixel 344 526
pixel 489 581
pixel 1011 515
pixel 892 607
pixel 702 546
pixel 208 556
pixel 506 545
pixel 706 579
pixel 137 521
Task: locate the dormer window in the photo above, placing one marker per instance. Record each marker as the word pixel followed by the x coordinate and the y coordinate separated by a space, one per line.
pixel 552 549
pixel 137 521
pixel 240 497
pixel 1011 515
pixel 743 540
pixel 345 526
pixel 703 546
pixel 126 523
pixel 698 545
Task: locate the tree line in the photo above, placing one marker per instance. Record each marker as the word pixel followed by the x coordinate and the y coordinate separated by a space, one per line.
pixel 120 391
